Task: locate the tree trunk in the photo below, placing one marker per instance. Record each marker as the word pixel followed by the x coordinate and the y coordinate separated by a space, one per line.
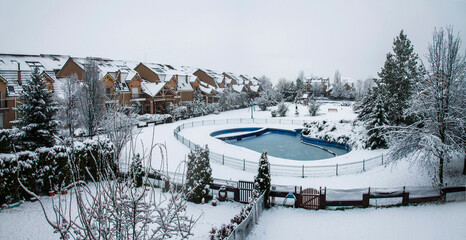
pixel 464 166
pixel 440 170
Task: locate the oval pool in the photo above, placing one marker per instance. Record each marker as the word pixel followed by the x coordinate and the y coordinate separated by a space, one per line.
pixel 280 143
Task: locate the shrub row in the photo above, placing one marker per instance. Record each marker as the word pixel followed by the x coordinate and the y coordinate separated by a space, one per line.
pixel 48 169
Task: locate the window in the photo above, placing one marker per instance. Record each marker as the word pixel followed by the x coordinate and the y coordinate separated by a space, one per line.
pixel 107 92
pixel 134 92
pixel 11 89
pixel 33 64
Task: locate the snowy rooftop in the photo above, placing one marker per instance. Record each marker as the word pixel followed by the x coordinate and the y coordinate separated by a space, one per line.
pixel 150 88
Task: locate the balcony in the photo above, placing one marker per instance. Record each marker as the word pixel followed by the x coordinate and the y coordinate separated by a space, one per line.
pixel 136 97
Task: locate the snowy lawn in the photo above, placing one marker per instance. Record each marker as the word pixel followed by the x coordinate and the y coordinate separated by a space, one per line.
pixel 429 221
pixel 28 222
pixel 415 222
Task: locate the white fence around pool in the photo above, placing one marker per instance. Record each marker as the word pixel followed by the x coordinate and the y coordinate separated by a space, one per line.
pixel 276 169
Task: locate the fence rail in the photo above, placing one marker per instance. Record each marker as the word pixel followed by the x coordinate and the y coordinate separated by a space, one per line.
pixel 276 169
pixel 241 232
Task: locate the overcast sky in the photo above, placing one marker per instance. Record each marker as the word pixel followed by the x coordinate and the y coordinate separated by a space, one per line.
pixel 273 38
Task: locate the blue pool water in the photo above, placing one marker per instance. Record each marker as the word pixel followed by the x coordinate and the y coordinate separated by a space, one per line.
pixel 286 146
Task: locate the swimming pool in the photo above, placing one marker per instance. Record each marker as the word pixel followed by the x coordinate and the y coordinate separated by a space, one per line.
pixel 280 143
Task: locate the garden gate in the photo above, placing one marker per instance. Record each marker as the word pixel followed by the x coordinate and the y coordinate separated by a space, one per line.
pixel 245 191
pixel 310 198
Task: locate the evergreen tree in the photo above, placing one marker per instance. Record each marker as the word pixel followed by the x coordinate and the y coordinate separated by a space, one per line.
pixel 198 175
pixel 365 107
pixel 36 125
pixel 262 181
pixel 399 75
pixel 376 121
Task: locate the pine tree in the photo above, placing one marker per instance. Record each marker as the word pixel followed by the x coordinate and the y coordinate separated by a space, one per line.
pixel 365 107
pixel 36 125
pixel 198 175
pixel 262 181
pixel 376 121
pixel 399 75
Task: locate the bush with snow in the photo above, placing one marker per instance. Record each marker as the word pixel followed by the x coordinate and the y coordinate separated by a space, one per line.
pixel 313 107
pixel 5 141
pixel 341 132
pixel 282 109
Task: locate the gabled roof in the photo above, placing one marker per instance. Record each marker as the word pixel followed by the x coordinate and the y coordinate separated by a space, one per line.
pixel 3 79
pixel 153 89
pixel 233 76
pixel 238 88
pixel 254 88
pixel 207 89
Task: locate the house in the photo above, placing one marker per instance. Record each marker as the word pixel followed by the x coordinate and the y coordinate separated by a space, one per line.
pixel 15 70
pixel 318 86
pixel 207 82
pixel 231 79
pixel 348 83
pixel 122 83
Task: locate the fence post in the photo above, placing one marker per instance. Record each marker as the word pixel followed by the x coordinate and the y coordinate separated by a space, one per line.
pixel 303 172
pixel 336 169
pixel 382 158
pixel 244 164
pixel 364 165
pixel 202 122
pixel 240 120
pixel 223 159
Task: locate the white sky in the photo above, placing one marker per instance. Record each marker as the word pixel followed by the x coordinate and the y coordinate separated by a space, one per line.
pixel 275 38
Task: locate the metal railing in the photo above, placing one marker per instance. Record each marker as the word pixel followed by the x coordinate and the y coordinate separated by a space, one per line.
pixel 276 169
pixel 241 232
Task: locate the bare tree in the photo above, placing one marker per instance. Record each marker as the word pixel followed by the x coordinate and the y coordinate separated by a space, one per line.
pixel 91 98
pixel 112 207
pixel 68 104
pixel 438 107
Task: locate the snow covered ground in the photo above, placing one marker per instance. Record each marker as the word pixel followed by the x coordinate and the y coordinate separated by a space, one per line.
pixel 429 221
pixel 393 175
pixel 28 222
pixel 414 222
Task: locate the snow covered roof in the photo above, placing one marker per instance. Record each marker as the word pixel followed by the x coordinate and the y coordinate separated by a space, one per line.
pixel 150 88
pixel 254 88
pixel 184 83
pixel 11 63
pixel 348 80
pixel 218 78
pixel 313 79
pixel 237 79
pixel 28 62
pixel 238 88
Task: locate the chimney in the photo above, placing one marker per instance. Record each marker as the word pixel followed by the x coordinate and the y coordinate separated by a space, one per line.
pixel 19 73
